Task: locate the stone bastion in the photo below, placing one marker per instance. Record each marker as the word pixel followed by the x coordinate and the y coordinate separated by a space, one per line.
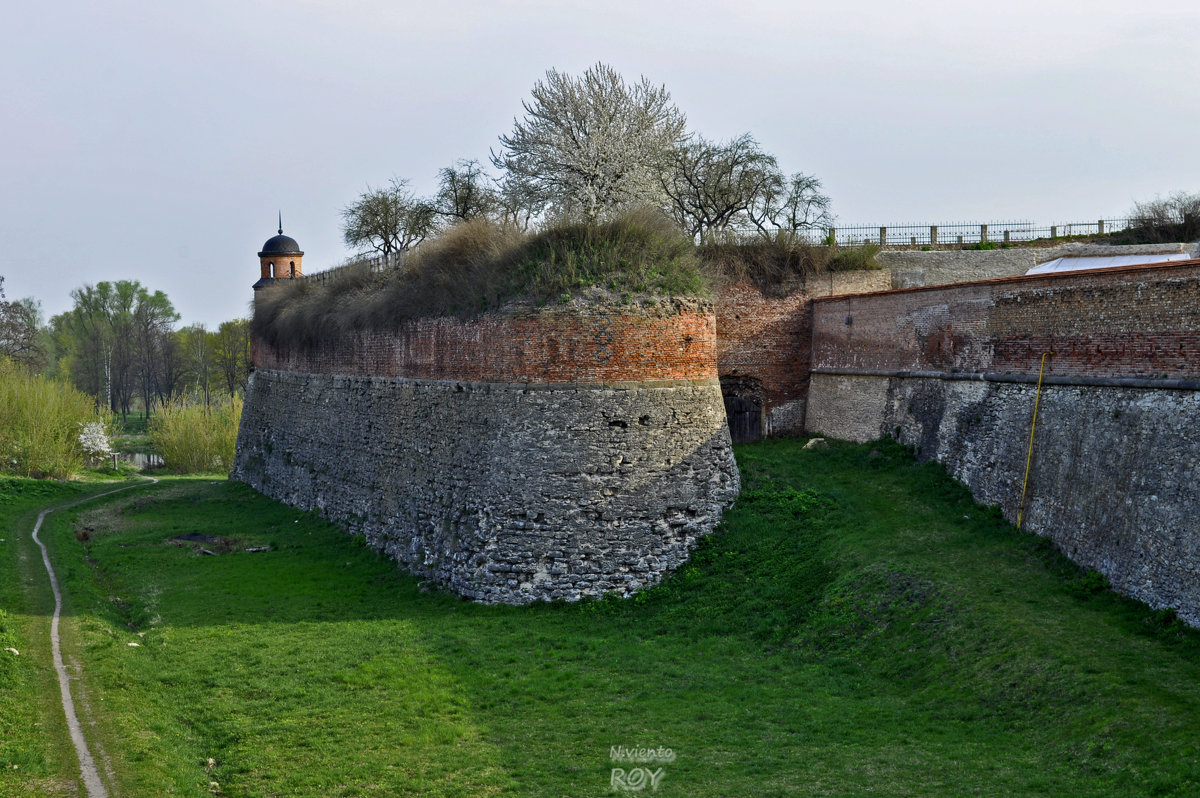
pixel 518 455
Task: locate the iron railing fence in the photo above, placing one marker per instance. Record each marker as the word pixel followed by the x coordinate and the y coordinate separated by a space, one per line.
pixel 376 263
pixel 902 235
pixel 960 234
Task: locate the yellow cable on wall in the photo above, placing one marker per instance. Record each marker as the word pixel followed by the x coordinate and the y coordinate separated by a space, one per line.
pixel 1032 428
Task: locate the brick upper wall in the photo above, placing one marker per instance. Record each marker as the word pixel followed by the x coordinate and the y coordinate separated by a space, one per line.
pixel 769 337
pixel 1130 322
pixel 602 344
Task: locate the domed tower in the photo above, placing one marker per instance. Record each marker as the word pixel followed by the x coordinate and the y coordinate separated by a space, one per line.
pixel 280 259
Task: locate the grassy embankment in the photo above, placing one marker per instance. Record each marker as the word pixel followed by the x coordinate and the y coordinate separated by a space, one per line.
pixel 857 625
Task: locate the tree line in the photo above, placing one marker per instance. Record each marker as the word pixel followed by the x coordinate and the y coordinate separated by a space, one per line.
pixel 588 148
pixel 119 344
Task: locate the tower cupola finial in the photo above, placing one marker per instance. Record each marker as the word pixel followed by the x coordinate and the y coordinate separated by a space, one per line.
pixel 280 222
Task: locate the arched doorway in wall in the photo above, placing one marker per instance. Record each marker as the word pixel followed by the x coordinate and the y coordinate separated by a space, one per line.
pixel 743 407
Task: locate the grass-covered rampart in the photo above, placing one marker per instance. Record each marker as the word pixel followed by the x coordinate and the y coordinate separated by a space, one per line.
pixel 856 626
pixel 479 266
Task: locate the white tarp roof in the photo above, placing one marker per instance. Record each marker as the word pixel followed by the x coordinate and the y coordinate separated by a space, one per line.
pixel 1072 263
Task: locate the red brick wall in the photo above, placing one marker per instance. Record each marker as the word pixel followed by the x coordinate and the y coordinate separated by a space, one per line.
pixel 1136 322
pixel 282 266
pixel 769 337
pixel 620 344
pixel 766 338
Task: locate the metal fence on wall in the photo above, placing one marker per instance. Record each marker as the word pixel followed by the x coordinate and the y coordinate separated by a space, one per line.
pixel 965 234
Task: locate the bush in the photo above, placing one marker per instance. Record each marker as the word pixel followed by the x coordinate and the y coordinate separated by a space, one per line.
pixel 773 263
pixel 193 438
pixel 1176 218
pixel 40 420
pixel 480 265
pixel 850 259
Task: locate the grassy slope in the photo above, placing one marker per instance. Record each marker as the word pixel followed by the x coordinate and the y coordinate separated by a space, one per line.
pixel 857 625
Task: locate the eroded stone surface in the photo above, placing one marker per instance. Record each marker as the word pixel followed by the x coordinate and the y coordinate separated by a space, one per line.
pixel 502 493
pixel 1113 477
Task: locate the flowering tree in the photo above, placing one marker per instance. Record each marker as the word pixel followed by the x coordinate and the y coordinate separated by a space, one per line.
pixel 19 330
pixel 591 146
pixel 94 441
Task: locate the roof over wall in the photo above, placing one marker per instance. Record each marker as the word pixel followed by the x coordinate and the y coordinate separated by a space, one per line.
pixel 1071 263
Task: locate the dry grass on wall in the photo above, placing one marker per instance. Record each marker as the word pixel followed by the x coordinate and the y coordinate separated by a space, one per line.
pixel 774 263
pixel 479 265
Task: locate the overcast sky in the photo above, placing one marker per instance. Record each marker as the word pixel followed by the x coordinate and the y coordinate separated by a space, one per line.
pixel 156 141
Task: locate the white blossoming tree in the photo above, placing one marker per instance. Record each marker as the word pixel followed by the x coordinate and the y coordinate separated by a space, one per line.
pixel 93 439
pixel 591 146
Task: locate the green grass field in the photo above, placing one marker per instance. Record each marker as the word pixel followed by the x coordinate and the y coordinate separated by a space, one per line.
pixel 856 626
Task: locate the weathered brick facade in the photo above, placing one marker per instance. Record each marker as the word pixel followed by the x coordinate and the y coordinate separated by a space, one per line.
pixel 1137 322
pixel 669 341
pixel 763 341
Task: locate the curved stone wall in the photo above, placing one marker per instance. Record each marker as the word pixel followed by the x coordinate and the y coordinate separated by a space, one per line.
pixel 504 490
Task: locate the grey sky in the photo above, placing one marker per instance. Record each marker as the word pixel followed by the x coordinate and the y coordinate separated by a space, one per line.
pixel 155 141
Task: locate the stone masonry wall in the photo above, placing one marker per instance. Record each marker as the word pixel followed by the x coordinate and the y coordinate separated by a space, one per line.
pixel 914 268
pixel 513 488
pixel 952 371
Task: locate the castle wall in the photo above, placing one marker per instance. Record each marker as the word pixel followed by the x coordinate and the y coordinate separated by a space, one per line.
pixel 953 370
pixel 911 268
pixel 508 458
pixel 766 337
pixel 671 341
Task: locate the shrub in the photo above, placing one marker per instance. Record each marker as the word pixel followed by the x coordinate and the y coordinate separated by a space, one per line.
pixel 1176 218
pixel 193 438
pixel 479 265
pixel 40 420
pixel 773 263
pixel 849 259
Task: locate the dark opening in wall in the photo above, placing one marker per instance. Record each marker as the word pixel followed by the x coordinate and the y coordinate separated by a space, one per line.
pixel 743 407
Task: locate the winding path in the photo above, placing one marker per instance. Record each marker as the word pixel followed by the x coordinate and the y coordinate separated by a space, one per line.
pixel 91 776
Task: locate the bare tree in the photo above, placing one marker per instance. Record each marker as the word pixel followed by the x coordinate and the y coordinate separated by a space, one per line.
pixel 591 145
pixel 1176 218
pixel 387 220
pixel 710 187
pixel 737 186
pixel 800 207
pixel 464 192
pixel 20 338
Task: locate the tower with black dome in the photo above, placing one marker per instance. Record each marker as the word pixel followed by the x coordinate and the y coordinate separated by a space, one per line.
pixel 280 259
